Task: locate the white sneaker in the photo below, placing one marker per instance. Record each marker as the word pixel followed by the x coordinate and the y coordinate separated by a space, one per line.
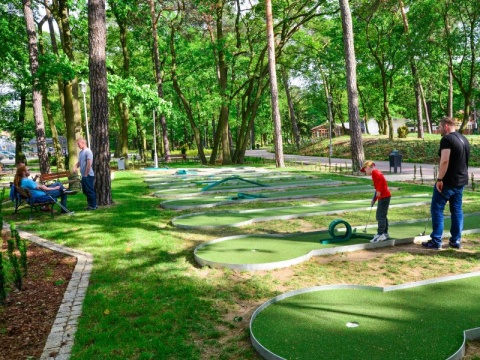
pixel 375 238
pixel 379 237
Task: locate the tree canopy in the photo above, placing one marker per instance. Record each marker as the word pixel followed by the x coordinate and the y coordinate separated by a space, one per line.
pixel 207 71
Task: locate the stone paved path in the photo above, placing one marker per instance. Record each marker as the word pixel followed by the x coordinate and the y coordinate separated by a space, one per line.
pixel 60 340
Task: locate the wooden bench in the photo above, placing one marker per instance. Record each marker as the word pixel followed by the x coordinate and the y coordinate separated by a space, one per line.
pixel 52 177
pixel 23 199
pixel 179 157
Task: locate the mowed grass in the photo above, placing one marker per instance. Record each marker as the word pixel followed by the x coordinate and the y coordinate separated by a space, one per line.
pixel 147 299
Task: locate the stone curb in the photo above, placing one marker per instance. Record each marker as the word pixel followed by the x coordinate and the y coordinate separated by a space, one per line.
pixel 61 338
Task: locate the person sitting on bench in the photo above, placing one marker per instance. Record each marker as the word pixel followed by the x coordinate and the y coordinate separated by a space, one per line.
pixel 41 193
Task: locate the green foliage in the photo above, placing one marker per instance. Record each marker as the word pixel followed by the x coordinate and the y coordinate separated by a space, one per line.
pixel 402 132
pixel 17 274
pixel 54 67
pixel 21 246
pixel 16 243
pixel 139 98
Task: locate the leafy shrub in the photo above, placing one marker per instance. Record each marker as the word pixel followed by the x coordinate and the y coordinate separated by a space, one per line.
pixel 402 132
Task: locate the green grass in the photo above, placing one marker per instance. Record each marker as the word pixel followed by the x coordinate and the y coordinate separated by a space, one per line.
pixel 147 299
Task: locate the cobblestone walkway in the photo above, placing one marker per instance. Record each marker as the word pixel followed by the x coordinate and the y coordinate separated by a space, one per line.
pixel 60 341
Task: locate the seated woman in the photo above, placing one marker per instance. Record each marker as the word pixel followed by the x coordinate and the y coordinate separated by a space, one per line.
pixel 40 193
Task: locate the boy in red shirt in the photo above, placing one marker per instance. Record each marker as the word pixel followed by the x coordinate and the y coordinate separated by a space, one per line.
pixel 383 195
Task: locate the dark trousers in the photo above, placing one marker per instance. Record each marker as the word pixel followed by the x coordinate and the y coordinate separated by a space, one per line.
pixel 88 189
pixel 382 212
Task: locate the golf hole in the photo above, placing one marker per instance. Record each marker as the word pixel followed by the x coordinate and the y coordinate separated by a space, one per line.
pixel 352 324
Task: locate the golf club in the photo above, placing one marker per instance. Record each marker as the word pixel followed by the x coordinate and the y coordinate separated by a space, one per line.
pixel 365 230
pixel 425 230
pixel 70 213
pixel 371 207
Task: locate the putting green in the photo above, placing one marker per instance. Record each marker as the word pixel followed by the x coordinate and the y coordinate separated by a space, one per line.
pixel 184 190
pixel 209 200
pixel 398 322
pixel 245 217
pixel 261 252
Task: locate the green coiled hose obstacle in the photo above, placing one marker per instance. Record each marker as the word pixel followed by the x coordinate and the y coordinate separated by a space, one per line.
pixel 338 236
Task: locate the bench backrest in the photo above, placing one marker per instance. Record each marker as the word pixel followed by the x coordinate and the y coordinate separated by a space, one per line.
pixel 24 193
pixel 54 176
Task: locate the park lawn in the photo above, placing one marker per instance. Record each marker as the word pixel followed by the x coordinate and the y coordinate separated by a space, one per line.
pixel 147 299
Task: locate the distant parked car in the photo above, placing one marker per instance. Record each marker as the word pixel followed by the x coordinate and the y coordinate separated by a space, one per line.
pixel 7 154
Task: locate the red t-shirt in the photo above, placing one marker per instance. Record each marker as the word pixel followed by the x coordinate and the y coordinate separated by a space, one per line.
pixel 380 184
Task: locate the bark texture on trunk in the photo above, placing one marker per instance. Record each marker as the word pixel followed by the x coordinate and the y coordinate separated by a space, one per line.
pixel 99 100
pixel 351 76
pixel 36 93
pixel 277 125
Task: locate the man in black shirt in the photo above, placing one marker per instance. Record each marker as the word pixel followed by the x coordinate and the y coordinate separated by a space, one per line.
pixel 452 178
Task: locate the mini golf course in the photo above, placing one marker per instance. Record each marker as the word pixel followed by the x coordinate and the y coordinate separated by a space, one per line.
pixel 430 319
pixel 267 252
pixel 212 220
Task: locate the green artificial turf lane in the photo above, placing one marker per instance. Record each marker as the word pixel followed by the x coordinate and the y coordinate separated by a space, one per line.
pixel 424 322
pixel 210 179
pixel 183 190
pixel 263 249
pixel 238 218
pixel 208 198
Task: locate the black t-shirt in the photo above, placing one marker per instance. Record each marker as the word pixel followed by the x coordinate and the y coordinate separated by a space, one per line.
pixel 457 172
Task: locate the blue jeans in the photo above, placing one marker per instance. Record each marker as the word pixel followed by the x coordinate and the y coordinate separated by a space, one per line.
pixel 89 190
pixel 55 194
pixel 439 199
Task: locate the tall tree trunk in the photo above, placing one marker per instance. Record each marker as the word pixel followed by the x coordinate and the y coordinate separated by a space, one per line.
pixel 48 111
pixel 425 107
pixel 123 110
pixel 19 155
pixel 291 109
pixel 141 139
pixel 124 122
pixel 223 82
pixel 415 76
pixel 450 91
pixel 36 93
pixel 99 100
pixel 53 42
pixel 277 125
pixel 185 103
pixel 72 109
pixel 158 78
pixel 351 76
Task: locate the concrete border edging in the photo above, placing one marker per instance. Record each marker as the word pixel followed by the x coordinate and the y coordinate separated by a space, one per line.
pixel 62 335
